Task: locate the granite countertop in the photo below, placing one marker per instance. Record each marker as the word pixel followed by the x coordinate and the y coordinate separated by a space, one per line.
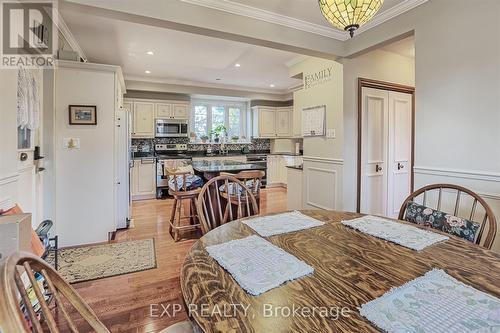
pixel 286 154
pixel 224 166
pixel 203 153
pixel 295 167
pixel 140 154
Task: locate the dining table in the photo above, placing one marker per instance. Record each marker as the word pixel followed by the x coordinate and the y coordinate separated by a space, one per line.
pixel 350 268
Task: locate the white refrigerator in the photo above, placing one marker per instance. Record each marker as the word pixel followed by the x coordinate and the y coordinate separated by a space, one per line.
pixel 122 168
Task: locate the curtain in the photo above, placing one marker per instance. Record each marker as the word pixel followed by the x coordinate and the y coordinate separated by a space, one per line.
pixel 28 100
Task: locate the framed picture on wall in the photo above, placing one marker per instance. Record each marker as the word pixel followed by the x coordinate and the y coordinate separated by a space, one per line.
pixel 83 115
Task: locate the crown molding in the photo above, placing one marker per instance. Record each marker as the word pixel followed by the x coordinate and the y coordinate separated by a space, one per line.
pixel 270 17
pixel 391 13
pixel 68 36
pixel 290 22
pixel 205 85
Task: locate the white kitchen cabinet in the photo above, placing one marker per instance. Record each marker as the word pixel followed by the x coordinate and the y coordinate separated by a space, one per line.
pixel 296 122
pixel 277 168
pixel 264 122
pixel 294 186
pixel 163 110
pixel 180 111
pixel 283 121
pixel 172 110
pixel 143 179
pixel 271 122
pixel 143 120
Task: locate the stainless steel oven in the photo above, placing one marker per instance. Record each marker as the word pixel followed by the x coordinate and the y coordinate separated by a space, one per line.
pixel 171 128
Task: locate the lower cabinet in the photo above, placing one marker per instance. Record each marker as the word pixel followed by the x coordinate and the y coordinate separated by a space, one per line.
pixel 294 185
pixel 277 168
pixel 143 179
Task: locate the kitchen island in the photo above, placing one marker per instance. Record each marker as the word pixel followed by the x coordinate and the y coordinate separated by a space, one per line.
pixel 212 168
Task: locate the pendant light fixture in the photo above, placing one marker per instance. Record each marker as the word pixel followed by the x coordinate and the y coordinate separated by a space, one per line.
pixel 349 15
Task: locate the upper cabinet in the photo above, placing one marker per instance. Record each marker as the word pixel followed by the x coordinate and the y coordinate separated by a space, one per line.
pixel 172 110
pixel 144 113
pixel 271 122
pixel 143 120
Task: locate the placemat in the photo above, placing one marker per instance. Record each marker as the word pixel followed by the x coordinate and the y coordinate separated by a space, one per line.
pixel 399 233
pixel 435 302
pixel 271 225
pixel 257 265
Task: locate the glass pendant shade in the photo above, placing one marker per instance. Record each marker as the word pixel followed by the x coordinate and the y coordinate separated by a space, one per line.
pixel 349 15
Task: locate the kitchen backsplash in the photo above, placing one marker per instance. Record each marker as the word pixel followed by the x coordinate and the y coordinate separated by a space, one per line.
pixel 255 144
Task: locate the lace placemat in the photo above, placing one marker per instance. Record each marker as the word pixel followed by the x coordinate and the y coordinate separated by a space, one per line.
pixel 257 265
pixel 435 302
pixel 399 233
pixel 282 223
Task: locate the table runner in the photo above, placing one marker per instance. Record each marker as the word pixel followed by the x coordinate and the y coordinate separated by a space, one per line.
pixel 399 233
pixel 282 223
pixel 257 265
pixel 435 302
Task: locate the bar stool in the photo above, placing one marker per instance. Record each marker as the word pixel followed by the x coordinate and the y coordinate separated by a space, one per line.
pixel 184 186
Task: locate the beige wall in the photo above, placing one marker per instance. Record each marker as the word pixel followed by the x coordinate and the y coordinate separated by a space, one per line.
pixel 84 178
pixel 378 65
pixel 8 138
pixel 457 91
pixel 323 158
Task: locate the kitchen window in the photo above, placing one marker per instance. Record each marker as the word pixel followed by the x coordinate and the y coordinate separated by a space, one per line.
pixel 207 115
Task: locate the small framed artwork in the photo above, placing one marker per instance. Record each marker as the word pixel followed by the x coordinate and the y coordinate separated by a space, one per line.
pixel 83 115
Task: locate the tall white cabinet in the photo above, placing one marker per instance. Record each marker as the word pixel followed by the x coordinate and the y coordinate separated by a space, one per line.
pixel 386 151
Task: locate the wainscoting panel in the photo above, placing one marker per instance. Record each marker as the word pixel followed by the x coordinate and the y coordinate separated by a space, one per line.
pixel 322 183
pixel 8 190
pixel 486 184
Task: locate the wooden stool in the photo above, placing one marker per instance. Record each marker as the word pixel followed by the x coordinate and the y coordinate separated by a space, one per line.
pixel 180 196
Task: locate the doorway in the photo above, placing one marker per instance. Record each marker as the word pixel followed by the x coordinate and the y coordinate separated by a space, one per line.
pixel 386 135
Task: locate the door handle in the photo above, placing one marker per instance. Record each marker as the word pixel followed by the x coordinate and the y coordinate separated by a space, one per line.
pixel 378 168
pixel 400 166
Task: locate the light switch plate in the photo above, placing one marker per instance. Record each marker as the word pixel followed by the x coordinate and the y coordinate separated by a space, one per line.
pixel 71 143
pixel 330 133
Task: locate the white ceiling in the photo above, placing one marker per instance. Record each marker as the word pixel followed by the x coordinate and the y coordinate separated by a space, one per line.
pixel 305 10
pixel 179 57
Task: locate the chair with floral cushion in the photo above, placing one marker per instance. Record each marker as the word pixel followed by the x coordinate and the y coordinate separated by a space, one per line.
pixel 472 217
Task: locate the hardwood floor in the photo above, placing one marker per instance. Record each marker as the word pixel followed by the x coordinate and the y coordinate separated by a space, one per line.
pixel 124 302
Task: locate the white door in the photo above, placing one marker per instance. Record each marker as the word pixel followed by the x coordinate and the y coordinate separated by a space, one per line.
pixel 399 154
pixel 385 151
pixel 374 142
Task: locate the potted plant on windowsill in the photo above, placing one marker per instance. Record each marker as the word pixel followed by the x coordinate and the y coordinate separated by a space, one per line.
pixel 219 131
pixel 204 138
pixel 235 138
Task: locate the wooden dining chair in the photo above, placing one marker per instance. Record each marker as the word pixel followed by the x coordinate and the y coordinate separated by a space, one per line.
pixel 252 179
pixel 432 196
pixel 184 189
pixel 216 207
pixel 35 298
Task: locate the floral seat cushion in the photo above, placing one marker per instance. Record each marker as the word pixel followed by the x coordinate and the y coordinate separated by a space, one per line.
pixel 436 219
pixel 248 183
pixel 192 182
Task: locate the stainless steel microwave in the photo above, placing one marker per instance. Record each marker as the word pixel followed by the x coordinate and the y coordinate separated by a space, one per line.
pixel 171 128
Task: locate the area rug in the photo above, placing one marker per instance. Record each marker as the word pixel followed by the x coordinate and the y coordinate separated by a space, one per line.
pixel 100 261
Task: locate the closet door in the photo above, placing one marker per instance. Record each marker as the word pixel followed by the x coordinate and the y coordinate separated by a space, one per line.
pixel 375 109
pixel 399 152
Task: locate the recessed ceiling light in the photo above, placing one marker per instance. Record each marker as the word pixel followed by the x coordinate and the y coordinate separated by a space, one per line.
pixel 147 72
pixel 150 53
pixel 271 85
pixel 237 65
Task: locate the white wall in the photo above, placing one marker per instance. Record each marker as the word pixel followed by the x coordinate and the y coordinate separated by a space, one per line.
pixel 378 65
pixel 323 158
pixel 84 178
pixel 8 138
